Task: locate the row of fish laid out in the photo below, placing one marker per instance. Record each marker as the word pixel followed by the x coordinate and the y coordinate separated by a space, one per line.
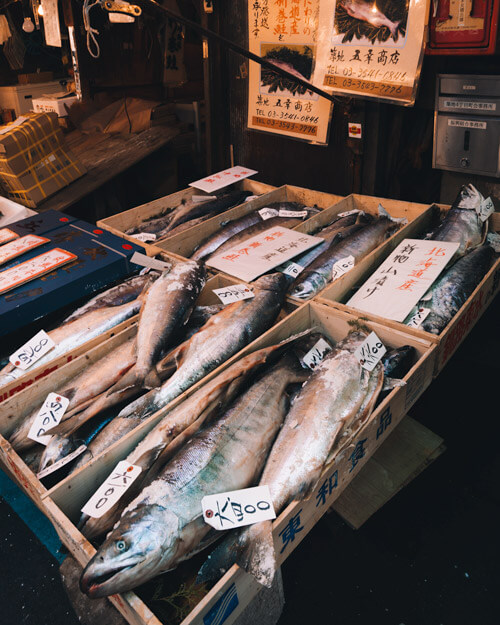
pixel 176 345
pixel 477 250
pixel 267 419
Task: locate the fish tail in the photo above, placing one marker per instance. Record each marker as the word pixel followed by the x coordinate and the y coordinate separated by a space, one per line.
pixel 257 556
pixel 221 559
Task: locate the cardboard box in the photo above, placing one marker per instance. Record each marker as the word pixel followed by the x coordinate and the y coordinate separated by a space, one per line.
pixel 34 159
pixel 55 103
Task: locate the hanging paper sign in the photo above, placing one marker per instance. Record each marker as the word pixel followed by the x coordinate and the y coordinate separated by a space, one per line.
pixel 285 34
pixel 174 68
pixel 403 278
pixel 51 27
pixel 222 178
pixel 263 252
pixel 20 246
pixel 371 48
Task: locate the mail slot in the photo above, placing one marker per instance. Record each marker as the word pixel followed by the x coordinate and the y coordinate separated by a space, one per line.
pixel 467 124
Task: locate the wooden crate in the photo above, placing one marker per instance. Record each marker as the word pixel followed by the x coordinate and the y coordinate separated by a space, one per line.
pixel 184 243
pixel 419 217
pixel 119 223
pixel 62 503
pixel 458 328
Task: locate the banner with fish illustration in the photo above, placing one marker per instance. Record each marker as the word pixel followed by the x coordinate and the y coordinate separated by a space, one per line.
pixel 285 33
pixel 371 48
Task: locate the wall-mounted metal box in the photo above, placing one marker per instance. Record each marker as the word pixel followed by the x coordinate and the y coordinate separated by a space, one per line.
pixel 467 124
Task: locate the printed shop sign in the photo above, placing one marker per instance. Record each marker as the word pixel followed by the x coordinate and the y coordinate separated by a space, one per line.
pixel 371 48
pixel 284 32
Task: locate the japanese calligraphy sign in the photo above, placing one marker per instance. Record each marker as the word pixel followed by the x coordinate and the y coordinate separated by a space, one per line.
pixel 233 293
pixel 222 178
pixel 62 462
pixel 284 32
pixel 20 246
pixel 32 351
pixel 403 278
pixel 371 48
pixel 49 416
pixel 110 491
pixel 34 268
pixel 263 252
pixel 238 507
pixel 7 235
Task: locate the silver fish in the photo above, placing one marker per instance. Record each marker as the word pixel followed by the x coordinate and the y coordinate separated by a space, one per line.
pixel 164 525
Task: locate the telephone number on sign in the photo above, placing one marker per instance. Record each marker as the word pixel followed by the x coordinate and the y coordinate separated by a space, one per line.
pixel 304 129
pixel 352 84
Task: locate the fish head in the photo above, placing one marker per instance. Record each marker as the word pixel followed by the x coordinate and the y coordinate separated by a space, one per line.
pixel 272 282
pixel 133 552
pixel 57 448
pixel 305 288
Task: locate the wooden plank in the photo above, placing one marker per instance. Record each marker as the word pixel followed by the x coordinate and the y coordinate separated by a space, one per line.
pixel 105 156
pixel 405 454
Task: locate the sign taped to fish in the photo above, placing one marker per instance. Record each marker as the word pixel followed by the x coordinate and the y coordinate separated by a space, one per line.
pixel 238 507
pixel 371 48
pixel 50 415
pixel 370 352
pixel 233 293
pixel 32 350
pixel 403 278
pixel 223 178
pixel 316 354
pixel 264 252
pixel 110 491
pixel 287 37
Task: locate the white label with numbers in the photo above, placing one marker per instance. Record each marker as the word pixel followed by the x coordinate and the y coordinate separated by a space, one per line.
pixel 418 318
pixel 370 352
pixel 60 463
pixel 267 213
pixel 32 351
pixel 347 213
pixel 342 266
pixel 238 507
pixel 291 269
pixel 315 355
pixel 110 491
pixel 284 213
pixel 48 417
pixel 145 237
pixel 233 293
pixel 486 208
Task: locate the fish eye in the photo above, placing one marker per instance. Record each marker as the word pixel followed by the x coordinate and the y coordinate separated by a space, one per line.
pixel 121 545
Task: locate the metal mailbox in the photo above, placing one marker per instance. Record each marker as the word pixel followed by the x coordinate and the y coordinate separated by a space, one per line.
pixel 467 124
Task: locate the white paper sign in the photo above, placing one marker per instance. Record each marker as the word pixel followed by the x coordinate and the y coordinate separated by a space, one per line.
pixel 48 417
pixel 110 491
pixel 51 26
pixel 62 462
pixel 20 246
pixel 238 507
pixel 267 213
pixel 347 213
pixel 222 178
pixel 32 351
pixel 264 252
pixel 315 355
pixel 233 293
pixel 370 352
pixel 150 263
pixel 403 278
pixel 145 237
pixel 291 269
pixel 418 318
pixel 7 235
pixel 486 208
pixel 342 266
pixel 284 213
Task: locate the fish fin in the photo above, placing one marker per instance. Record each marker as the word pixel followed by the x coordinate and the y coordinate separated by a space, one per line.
pixel 152 380
pixel 390 383
pixel 258 557
pixel 221 559
pixel 169 363
pixel 383 213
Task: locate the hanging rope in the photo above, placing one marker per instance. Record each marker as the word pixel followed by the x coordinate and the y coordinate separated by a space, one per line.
pixel 91 32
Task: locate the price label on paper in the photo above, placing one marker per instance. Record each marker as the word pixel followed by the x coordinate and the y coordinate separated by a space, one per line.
pixel 110 491
pixel 145 237
pixel 7 235
pixel 285 213
pixel 32 351
pixel 222 178
pixel 238 507
pixel 315 355
pixel 347 213
pixel 342 266
pixel 370 352
pixel 267 213
pixel 486 208
pixel 291 269
pixel 62 462
pixel 20 246
pixel 419 317
pixel 233 293
pixel 48 417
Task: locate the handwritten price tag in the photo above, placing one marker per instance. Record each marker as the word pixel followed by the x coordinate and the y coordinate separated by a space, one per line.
pixel 20 246
pixel 234 293
pixel 315 355
pixel 370 352
pixel 49 416
pixel 267 213
pixel 486 208
pixel 284 213
pixel 238 507
pixel 110 491
pixel 342 266
pixel 291 269
pixel 32 351
pixel 419 317
pixel 145 237
pixel 62 462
